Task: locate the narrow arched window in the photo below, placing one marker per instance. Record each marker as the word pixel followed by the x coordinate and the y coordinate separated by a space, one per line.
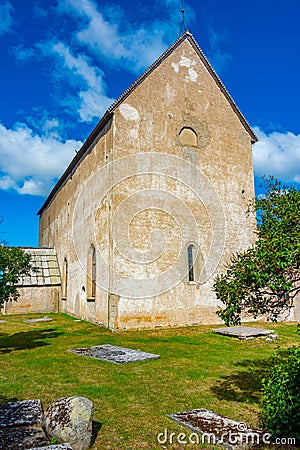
pixel 94 272
pixel 92 269
pixel 65 280
pixel 191 253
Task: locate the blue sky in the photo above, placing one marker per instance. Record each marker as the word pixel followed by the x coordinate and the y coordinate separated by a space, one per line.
pixel 64 62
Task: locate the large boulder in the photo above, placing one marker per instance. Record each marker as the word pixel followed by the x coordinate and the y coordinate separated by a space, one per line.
pixel 69 419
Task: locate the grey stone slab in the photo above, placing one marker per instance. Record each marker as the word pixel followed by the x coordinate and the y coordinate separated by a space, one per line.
pixel 215 429
pixel 23 413
pixel 54 447
pixel 41 319
pixel 22 438
pixel 114 354
pixel 241 332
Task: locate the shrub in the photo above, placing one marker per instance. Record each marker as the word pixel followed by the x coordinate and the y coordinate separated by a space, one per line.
pixel 280 411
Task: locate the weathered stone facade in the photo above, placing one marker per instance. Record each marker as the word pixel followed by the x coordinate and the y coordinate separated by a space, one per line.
pixel 155 202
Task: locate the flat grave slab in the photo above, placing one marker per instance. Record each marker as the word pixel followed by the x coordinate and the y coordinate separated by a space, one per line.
pixel 41 319
pixel 114 354
pixel 20 425
pixel 19 414
pixel 54 447
pixel 241 332
pixel 214 429
pixel 22 438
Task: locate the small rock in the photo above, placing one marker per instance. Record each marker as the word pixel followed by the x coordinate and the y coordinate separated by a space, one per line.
pixel 69 420
pixel 269 340
pixel 2 321
pixel 273 336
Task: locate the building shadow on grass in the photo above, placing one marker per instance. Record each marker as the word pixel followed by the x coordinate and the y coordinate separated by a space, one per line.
pixel 26 340
pixel 243 385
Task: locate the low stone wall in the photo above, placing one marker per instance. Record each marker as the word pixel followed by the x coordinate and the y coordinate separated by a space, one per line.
pixel 34 299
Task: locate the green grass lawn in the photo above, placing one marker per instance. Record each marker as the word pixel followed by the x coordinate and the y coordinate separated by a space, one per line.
pixel 196 369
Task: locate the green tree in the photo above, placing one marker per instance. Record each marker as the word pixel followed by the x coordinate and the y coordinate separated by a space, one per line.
pixel 14 263
pixel 265 279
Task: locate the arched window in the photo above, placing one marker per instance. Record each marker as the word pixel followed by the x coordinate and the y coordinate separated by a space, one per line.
pixel 188 137
pixel 65 280
pixel 191 253
pixel 91 276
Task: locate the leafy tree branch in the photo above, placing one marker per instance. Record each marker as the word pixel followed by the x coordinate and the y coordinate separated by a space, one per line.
pixel 265 279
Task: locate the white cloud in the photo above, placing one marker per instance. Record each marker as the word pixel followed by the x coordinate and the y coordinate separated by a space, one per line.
pixel 30 163
pixel 277 154
pixel 39 10
pixel 90 100
pixel 124 43
pixel 34 154
pixel 6 21
pixel 22 53
pixel 112 37
pixel 217 56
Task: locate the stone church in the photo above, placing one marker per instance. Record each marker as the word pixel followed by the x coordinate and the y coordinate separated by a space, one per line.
pixel 152 206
